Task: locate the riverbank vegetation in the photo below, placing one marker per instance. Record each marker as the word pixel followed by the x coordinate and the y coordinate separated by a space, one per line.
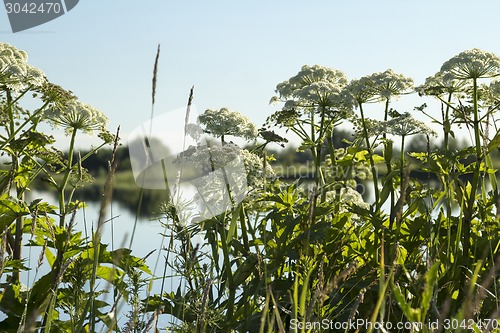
pixel 275 255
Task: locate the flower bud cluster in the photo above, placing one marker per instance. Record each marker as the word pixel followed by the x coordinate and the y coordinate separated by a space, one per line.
pixel 15 73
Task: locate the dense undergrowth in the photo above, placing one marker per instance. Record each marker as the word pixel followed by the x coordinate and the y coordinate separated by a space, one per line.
pixel 282 257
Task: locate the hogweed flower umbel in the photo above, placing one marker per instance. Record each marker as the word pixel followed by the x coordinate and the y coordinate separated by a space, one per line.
pixel 256 169
pixel 379 87
pixel 389 84
pixel 313 86
pixel 439 84
pixel 75 115
pixel 222 122
pixel 15 73
pixel 362 90
pixel 473 64
pixel 405 124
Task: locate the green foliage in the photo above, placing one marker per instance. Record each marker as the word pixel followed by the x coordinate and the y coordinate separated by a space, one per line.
pixel 60 300
pixel 423 251
pixel 291 254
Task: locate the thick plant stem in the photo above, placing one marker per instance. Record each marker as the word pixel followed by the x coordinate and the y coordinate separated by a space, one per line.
pixel 229 276
pixel 447 187
pixel 16 251
pixel 62 187
pixel 475 182
pixel 392 214
pixel 372 162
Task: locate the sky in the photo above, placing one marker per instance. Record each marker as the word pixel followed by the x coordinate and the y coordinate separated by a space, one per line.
pixel 235 52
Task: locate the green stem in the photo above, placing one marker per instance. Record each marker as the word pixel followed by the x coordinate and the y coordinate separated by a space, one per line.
pixel 229 276
pixel 372 163
pixel 316 150
pixel 67 173
pixel 447 186
pixel 392 213
pixel 447 124
pixel 475 179
pixel 16 252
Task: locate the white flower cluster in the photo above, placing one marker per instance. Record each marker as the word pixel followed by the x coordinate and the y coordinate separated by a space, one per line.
pixel 374 128
pixel 313 85
pixel 15 73
pixel 495 88
pixel 225 122
pixel 194 131
pixel 473 64
pixel 389 84
pixel 379 86
pixel 348 197
pixel 405 125
pixel 254 166
pixel 209 158
pixel 492 92
pixel 489 94
pixel 218 174
pixel 75 115
pixel 362 90
pixel 441 83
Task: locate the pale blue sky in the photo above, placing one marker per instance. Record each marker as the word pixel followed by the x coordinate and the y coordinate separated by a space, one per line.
pixel 235 52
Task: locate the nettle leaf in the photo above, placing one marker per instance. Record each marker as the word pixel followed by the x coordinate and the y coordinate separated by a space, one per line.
pixel 124 259
pixel 305 145
pixel 110 274
pixel 12 300
pixel 360 156
pixel 494 143
pixel 410 313
pixel 323 209
pixel 10 265
pixel 40 206
pixel 431 277
pixel 378 159
pixel 10 210
pixel 317 233
pixel 421 156
pixel 388 186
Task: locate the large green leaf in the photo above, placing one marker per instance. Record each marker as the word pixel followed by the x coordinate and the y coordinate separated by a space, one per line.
pixel 10 210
